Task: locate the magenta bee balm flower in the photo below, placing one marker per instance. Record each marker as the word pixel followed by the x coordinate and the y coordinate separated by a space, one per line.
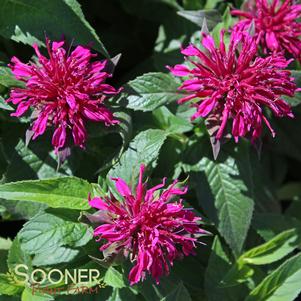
pixel 64 91
pixel 276 25
pixel 148 225
pixel 235 84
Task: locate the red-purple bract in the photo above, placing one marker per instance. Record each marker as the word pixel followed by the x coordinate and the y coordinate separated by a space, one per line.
pixel 149 226
pixel 64 91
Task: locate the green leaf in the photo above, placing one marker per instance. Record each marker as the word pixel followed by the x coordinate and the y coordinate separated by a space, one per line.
pixel 273 250
pixel 218 265
pixel 37 160
pixel 145 149
pixel 211 3
pixel 283 284
pixel 8 287
pixel 5 244
pixel 20 210
pixel 124 129
pixel 54 256
pixel 231 197
pixel 4 105
pixel 114 278
pixel 170 122
pixel 268 225
pixel 28 295
pixel 174 32
pixel 290 191
pixel 17 256
pixel 47 232
pixel 3 265
pixel 150 91
pixel 178 294
pixel 124 294
pixel 192 4
pixel 67 192
pixel 8 80
pixel 288 139
pixel 227 18
pixel 267 253
pixel 27 20
pixel 227 22
pixel 151 291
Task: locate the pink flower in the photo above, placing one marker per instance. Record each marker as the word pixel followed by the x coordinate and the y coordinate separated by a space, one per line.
pixel 276 25
pixel 235 84
pixel 148 225
pixel 64 91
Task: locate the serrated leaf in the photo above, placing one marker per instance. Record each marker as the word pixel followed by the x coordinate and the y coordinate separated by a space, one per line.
pixel 150 91
pixel 27 20
pixel 20 210
pixel 54 256
pixel 283 284
pixel 67 192
pixel 144 148
pixel 47 231
pixel 8 287
pixel 234 207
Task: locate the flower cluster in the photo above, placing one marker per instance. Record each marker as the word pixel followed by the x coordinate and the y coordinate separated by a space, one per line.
pixel 64 92
pixel 276 25
pixel 235 84
pixel 148 225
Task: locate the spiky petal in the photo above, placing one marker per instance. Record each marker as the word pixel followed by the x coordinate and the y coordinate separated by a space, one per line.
pixel 150 226
pixel 235 84
pixel 276 25
pixel 64 92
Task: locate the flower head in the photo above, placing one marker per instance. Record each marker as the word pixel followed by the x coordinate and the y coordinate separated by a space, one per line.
pixel 151 227
pixel 276 25
pixel 64 91
pixel 235 84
